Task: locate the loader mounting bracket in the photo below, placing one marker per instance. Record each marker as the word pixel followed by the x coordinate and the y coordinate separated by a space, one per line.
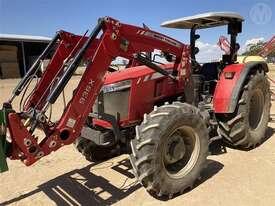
pixel 4 144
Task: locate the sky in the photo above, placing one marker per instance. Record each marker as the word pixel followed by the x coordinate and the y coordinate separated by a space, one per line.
pixel 45 17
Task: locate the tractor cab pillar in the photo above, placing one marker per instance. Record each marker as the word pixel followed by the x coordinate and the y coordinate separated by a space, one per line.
pixel 210 20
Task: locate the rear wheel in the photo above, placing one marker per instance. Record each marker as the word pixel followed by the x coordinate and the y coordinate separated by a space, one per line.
pixel 246 127
pixel 170 149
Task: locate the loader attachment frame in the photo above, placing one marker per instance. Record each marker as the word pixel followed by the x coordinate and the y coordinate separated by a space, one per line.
pixel 109 39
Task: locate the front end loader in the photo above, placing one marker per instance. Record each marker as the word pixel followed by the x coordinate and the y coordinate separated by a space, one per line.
pixel 109 39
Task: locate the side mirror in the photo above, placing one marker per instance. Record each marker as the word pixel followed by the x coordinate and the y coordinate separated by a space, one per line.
pixel 169 57
pixel 237 47
pixel 196 50
pixel 196 36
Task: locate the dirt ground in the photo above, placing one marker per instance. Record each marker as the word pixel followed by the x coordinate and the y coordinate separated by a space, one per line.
pixel 66 178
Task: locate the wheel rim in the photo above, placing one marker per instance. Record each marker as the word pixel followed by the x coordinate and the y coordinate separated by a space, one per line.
pixel 180 152
pixel 256 109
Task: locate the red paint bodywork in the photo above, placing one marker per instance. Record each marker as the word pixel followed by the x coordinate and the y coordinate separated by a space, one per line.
pixel 224 89
pixel 142 93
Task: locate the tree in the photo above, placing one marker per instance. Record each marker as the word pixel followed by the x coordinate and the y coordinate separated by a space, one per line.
pixel 254 49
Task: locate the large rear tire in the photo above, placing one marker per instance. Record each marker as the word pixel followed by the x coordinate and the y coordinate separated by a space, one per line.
pixel 170 149
pixel 246 127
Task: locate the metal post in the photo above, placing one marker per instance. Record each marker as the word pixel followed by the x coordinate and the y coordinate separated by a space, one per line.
pixel 24 57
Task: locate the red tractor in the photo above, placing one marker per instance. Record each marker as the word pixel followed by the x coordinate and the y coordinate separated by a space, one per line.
pixel 165 115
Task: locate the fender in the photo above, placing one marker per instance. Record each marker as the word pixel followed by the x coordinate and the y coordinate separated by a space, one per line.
pixel 228 90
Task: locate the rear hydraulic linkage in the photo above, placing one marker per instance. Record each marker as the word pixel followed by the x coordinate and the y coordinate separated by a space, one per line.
pixel 109 39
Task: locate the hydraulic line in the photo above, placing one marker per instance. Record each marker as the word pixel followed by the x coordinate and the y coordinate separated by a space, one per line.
pixel 62 68
pixel 18 89
pixel 74 64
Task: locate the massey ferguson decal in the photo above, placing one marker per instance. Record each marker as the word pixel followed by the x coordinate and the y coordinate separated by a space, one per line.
pixel 160 38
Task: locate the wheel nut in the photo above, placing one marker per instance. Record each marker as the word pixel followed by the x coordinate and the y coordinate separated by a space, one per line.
pixel 106 19
pixel 27 142
pixel 52 144
pixel 42 118
pixel 114 36
pixel 39 154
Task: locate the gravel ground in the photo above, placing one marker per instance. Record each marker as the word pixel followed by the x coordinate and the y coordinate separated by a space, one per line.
pixel 66 178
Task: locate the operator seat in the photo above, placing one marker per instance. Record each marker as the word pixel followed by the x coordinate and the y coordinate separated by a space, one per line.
pixel 210 72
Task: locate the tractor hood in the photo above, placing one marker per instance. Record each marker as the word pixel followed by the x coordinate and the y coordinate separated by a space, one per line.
pixel 131 73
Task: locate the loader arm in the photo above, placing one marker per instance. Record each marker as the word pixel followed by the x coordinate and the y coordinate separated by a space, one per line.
pixel 109 39
pixel 268 47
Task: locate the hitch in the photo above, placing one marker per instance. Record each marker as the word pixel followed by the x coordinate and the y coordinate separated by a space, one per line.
pixel 4 144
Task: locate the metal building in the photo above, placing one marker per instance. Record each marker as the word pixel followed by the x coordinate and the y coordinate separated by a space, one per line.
pixel 18 52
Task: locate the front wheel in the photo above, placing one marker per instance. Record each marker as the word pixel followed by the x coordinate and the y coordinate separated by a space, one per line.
pixel 170 149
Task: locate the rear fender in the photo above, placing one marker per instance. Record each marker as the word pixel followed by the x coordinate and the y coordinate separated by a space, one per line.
pixel 227 91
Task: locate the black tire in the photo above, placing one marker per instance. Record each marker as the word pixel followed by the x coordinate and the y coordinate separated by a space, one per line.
pixel 149 149
pixel 94 152
pixel 246 127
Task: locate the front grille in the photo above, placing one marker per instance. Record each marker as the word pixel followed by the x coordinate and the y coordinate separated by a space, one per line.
pixel 115 102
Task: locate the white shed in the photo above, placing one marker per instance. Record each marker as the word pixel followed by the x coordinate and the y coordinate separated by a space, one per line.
pixel 18 52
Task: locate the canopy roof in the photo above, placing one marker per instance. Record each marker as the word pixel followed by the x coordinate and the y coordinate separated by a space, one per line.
pixel 206 20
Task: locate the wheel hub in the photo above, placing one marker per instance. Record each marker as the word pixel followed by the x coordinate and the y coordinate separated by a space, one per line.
pixel 181 151
pixel 175 149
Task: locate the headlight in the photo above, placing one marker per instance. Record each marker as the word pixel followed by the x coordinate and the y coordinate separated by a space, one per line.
pixel 117 86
